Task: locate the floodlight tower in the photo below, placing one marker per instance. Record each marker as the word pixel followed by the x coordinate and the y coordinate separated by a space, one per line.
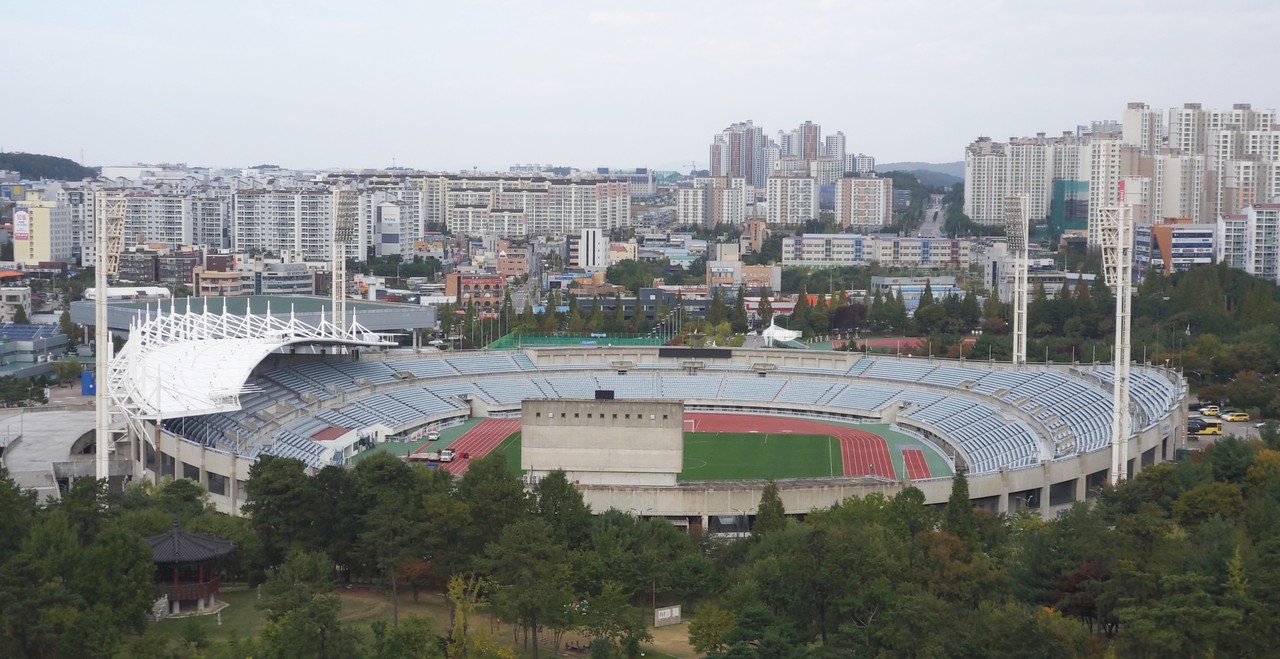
pixel 346 206
pixel 1115 227
pixel 1016 229
pixel 110 239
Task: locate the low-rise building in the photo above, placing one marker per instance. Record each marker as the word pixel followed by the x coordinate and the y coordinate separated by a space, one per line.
pixel 13 298
pixel 1173 247
pixel 843 249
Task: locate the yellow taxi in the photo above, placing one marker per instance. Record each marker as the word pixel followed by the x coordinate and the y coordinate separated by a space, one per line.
pixel 1209 410
pixel 1233 415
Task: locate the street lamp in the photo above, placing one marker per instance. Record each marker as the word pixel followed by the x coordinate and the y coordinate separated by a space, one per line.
pixel 746 522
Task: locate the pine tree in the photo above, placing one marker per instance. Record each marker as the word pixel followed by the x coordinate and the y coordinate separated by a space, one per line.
pixel 716 312
pixel 926 296
pixel 738 316
pixel 619 314
pixel 771 515
pixel 799 320
pixel 765 308
pixel 958 517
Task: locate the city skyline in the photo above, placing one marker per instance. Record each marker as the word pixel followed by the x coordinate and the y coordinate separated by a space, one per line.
pixel 318 86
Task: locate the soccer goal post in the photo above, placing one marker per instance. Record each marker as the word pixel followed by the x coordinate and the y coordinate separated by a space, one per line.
pixel 690 425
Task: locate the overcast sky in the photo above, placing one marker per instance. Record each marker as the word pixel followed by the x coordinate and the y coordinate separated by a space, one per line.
pixel 449 85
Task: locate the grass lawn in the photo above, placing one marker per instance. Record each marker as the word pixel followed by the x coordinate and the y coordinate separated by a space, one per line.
pixel 727 456
pixel 361 607
pixel 511 446
pixel 731 456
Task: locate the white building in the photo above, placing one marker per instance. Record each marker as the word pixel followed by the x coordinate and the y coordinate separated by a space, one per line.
pixel 791 200
pixel 863 202
pixel 1249 241
pixel 271 221
pixel 709 201
pixel 516 206
pixel 994 170
pixel 859 163
pixel 845 249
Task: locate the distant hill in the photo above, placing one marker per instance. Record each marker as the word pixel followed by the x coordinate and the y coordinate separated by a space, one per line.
pixel 36 166
pixel 926 177
pixel 955 169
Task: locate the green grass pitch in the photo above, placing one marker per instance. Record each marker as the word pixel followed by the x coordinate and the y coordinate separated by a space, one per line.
pixel 729 456
pixel 711 456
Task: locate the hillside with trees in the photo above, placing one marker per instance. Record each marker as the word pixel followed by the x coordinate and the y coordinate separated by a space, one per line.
pixel 1181 561
pixel 34 166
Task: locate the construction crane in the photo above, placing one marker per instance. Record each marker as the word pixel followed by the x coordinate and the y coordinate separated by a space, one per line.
pixel 109 227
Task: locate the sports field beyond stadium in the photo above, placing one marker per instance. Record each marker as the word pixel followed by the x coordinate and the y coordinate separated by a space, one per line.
pixel 732 447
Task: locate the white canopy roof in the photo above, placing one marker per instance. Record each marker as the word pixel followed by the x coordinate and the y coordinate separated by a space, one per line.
pixel 773 334
pixel 188 364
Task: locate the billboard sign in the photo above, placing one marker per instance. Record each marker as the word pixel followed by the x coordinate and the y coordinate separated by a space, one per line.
pixel 21 223
pixel 667 615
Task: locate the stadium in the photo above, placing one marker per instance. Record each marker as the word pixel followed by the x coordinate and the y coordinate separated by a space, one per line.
pixel 205 395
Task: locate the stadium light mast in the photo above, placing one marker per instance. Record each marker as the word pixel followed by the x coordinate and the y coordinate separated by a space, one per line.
pixel 110 239
pixel 345 209
pixel 1016 229
pixel 1115 227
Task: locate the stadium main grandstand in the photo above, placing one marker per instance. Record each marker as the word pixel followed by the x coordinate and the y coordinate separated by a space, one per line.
pixel 1035 435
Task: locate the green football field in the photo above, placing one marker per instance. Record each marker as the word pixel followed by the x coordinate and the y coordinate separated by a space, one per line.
pixel 730 455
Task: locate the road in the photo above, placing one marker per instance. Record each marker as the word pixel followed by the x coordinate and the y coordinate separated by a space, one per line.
pixel 932 225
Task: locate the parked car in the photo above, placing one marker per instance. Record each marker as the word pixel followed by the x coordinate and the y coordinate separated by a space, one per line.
pixel 1209 410
pixel 446 455
pixel 1235 415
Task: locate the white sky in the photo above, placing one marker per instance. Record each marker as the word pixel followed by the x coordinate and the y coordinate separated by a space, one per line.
pixel 451 84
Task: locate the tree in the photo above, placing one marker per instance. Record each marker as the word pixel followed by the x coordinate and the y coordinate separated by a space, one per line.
pixel 560 505
pixel 716 312
pixel 65 326
pixel 312 630
pixel 495 498
pixel 765 308
pixel 958 517
pixel 531 573
pixel 412 639
pixel 770 515
pixel 66 370
pixel 612 621
pixel 281 505
pixel 20 315
pixel 299 579
pixel 394 536
pixel 710 628
pixel 738 315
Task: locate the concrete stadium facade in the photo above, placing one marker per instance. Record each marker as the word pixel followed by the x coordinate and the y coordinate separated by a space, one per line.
pixel 1049 477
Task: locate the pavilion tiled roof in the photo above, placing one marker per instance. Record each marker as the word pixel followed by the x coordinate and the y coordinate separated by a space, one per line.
pixel 178 546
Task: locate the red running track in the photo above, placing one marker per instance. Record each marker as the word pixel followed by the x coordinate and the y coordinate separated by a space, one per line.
pixel 862 453
pixel 917 468
pixel 479 442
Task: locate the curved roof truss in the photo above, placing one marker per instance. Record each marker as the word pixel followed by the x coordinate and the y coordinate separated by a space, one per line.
pixel 193 363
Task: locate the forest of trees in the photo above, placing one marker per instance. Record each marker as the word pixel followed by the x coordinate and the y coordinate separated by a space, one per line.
pixel 34 166
pixel 1181 561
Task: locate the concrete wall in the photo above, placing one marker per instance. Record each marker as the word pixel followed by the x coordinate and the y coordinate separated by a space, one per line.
pixel 604 442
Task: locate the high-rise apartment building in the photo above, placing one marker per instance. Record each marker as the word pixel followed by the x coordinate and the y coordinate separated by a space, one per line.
pixel 863 202
pixel 806 141
pixel 709 201
pixel 1143 128
pixel 515 206
pixel 41 230
pixel 791 200
pixel 834 147
pixel 274 221
pixel 738 152
pixel 1249 240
